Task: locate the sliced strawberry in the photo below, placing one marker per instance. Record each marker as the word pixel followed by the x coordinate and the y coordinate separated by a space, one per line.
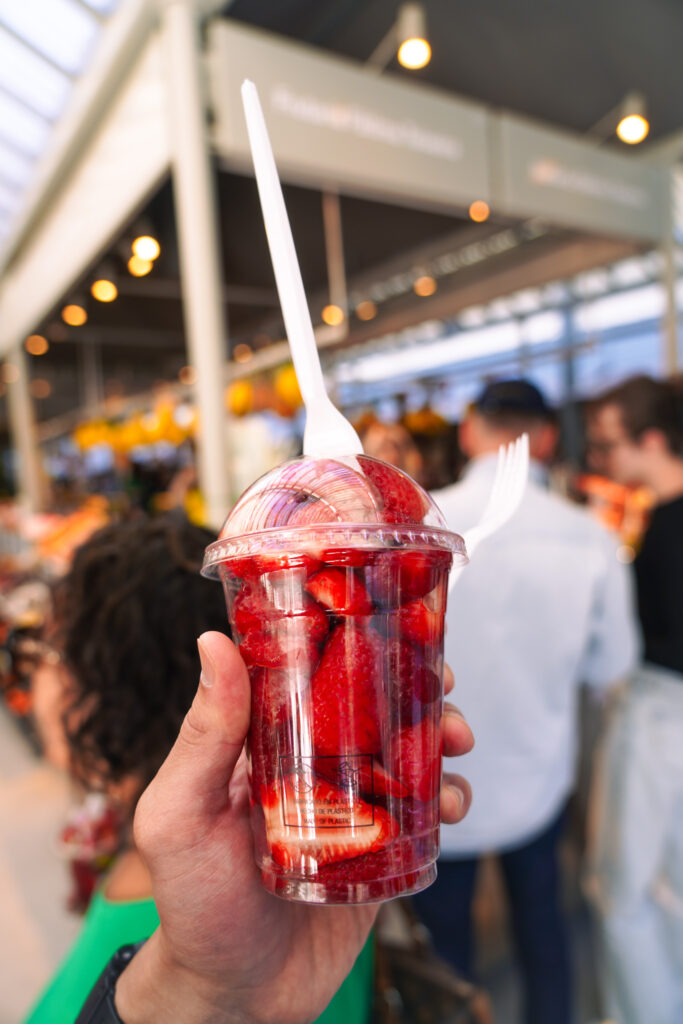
pixel 340 591
pixel 242 567
pixel 252 567
pixel 397 863
pixel 271 702
pixel 271 695
pixel 259 610
pixel 417 758
pixel 284 643
pixel 286 598
pixel 402 500
pixel 249 609
pixel 353 557
pixel 420 624
pixel 397 576
pixel 371 779
pixel 346 692
pixel 320 824
pixel 415 681
pixel 293 560
pixel 381 783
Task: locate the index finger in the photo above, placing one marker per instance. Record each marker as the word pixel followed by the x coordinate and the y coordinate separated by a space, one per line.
pixel 448 679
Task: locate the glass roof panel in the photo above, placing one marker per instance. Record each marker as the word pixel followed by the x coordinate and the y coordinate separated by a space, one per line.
pixel 14 167
pixel 21 128
pixel 29 78
pixel 8 197
pixel 44 46
pixel 101 6
pixel 62 30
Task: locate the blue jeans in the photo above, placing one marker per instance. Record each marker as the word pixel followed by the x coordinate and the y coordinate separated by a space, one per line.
pixel 533 886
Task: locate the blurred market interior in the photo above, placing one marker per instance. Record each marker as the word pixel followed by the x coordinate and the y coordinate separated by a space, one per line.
pixel 486 215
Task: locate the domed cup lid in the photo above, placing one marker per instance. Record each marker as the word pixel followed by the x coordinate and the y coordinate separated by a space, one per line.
pixel 310 504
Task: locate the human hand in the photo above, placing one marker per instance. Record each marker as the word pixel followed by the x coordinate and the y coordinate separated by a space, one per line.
pixel 227 950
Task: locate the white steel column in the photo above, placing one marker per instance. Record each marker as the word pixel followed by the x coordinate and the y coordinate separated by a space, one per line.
pixel 23 433
pixel 196 219
pixel 334 251
pixel 671 318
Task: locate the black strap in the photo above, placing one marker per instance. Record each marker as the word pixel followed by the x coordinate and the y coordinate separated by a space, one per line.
pixel 99 1007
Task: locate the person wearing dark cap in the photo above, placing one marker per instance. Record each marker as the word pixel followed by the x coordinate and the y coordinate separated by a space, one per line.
pixel 544 607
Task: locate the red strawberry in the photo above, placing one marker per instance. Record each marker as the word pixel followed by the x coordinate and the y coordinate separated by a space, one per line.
pixel 271 702
pixel 346 695
pixel 255 566
pixel 271 695
pixel 286 598
pixel 417 818
pixel 353 557
pixel 260 618
pixel 293 560
pixel 331 826
pixel 420 624
pixel 340 591
pixel 285 643
pixel 372 780
pixel 397 576
pixel 249 609
pixel 402 500
pixel 242 567
pixel 417 758
pixel 414 680
pixel 377 875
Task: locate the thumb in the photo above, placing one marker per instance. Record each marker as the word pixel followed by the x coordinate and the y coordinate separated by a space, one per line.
pixel 193 780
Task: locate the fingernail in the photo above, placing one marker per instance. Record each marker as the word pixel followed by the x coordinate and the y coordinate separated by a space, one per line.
pixel 450 709
pixel 458 793
pixel 208 673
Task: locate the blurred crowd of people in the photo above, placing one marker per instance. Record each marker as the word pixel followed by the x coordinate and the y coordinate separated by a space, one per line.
pixel 546 607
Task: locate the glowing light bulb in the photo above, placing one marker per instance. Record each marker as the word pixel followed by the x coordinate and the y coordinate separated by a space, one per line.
pixel 424 286
pixel 414 54
pixel 139 267
pixel 366 310
pixel 104 290
pixel 633 129
pixel 479 211
pixel 146 247
pixel 36 345
pixel 411 29
pixel 74 315
pixel 333 315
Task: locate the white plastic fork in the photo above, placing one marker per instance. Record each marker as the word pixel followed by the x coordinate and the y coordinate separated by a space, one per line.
pixel 512 473
pixel 328 432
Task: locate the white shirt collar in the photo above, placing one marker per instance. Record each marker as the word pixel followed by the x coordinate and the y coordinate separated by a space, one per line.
pixel 485 465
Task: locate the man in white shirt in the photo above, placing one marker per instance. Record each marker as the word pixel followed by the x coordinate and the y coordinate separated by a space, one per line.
pixel 544 607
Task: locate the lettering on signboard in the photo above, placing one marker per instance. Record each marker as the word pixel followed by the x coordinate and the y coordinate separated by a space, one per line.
pixel 365 123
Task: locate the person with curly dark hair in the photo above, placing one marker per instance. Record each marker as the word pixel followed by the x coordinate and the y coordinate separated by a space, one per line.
pixel 126 621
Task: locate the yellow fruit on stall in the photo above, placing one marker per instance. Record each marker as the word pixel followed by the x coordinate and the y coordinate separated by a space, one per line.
pixel 239 397
pixel 287 387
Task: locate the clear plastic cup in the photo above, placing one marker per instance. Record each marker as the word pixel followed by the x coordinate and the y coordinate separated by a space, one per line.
pixel 335 574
